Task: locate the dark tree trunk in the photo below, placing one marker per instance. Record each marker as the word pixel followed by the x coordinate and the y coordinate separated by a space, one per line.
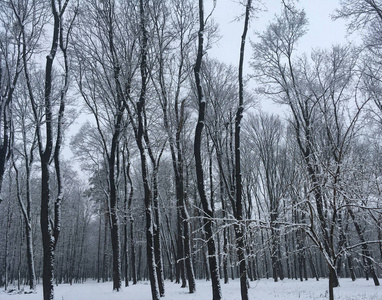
pixel 142 151
pixel 333 281
pixel 225 237
pixel 131 219
pixel 312 266
pixel 105 261
pixel 156 227
pixel 132 245
pixel 365 248
pixel 180 263
pixel 26 211
pixel 47 234
pixel 99 247
pixel 50 222
pixel 126 170
pixel 351 268
pixel 187 246
pixel 207 211
pixel 30 259
pixel 240 227
pixel 113 214
pixel 279 261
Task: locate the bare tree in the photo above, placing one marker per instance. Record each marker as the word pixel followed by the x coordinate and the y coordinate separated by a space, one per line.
pixel 207 210
pixel 239 211
pixel 25 152
pixel 15 19
pixel 174 48
pixel 319 89
pixel 49 143
pixel 264 133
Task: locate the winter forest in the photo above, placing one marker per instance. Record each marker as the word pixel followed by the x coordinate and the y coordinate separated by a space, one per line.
pixel 177 175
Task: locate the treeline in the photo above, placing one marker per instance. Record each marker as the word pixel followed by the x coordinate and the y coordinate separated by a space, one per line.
pixel 182 176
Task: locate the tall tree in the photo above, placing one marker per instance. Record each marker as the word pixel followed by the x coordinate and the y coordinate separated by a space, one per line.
pixel 239 210
pixel 139 130
pixel 320 87
pixel 104 78
pixel 25 152
pixel 207 210
pixel 50 142
pixel 174 48
pixel 14 18
pixel 264 133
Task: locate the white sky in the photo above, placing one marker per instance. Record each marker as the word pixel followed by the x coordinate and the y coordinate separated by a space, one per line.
pixel 323 32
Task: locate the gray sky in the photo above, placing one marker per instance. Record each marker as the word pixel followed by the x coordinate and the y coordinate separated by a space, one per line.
pixel 323 32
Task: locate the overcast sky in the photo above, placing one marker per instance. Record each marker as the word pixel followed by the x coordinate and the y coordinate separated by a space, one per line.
pixel 323 32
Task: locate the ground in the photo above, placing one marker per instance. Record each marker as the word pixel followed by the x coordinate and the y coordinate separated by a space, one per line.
pixel 263 289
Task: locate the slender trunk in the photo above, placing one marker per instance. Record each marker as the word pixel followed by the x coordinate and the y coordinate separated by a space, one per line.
pixel 105 264
pixel 180 263
pixel 225 237
pixel 30 259
pixel 279 261
pixel 6 250
pixel 131 218
pixel 240 227
pixel 99 247
pixel 126 167
pixel 126 253
pixel 365 248
pixel 187 252
pixel 132 245
pixel 156 218
pixel 351 268
pixel 26 212
pixel 114 227
pixel 207 267
pixel 312 266
pixel 157 243
pixel 207 211
pixel 142 151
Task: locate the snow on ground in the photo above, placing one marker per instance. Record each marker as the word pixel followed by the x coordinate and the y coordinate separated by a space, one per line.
pixel 263 289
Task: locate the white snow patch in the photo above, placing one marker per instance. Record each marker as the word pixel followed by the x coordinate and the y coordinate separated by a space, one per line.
pixel 263 289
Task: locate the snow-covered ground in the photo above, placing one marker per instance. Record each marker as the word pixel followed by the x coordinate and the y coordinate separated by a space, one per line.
pixel 262 289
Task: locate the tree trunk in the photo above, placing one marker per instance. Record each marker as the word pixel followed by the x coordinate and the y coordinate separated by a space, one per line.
pixel 365 249
pixel 114 220
pixel 187 252
pixel 26 212
pixel 351 269
pixel 30 259
pixel 180 263
pixel 207 211
pixel 240 227
pixel 157 243
pixel 105 261
pixel 312 266
pixel 142 151
pixel 47 234
pixel 132 245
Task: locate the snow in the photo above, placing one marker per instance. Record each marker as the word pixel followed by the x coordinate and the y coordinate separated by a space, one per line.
pixel 264 289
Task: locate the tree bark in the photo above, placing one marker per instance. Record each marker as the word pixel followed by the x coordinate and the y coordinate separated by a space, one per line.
pixel 142 151
pixel 207 211
pixel 240 227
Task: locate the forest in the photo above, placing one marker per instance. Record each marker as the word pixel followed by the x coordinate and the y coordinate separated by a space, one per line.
pixel 177 174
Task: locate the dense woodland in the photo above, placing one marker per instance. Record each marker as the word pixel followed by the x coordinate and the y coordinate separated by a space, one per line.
pixel 182 176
